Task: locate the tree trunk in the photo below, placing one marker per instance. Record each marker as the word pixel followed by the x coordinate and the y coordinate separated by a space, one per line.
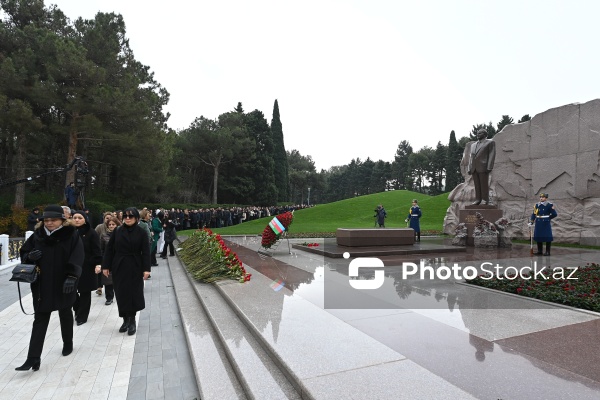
pixel 72 151
pixel 21 145
pixel 215 180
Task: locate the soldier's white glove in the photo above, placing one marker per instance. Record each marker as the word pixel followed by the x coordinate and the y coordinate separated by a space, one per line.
pixel 530 224
pixel 406 220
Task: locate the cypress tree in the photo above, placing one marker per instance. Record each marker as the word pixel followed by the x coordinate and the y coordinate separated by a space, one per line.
pixel 453 176
pixel 279 156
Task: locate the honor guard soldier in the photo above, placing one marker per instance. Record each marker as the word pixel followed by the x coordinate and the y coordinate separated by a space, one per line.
pixel 414 214
pixel 543 212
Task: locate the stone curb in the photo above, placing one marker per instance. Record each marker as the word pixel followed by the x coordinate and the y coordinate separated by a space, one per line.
pixel 548 303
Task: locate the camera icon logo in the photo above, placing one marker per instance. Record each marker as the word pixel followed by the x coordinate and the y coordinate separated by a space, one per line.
pixel 366 262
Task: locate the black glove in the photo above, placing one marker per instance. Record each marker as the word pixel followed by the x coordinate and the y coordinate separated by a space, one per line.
pixel 34 255
pixel 69 285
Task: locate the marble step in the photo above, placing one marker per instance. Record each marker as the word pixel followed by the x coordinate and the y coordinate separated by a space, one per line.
pixel 260 377
pixel 215 376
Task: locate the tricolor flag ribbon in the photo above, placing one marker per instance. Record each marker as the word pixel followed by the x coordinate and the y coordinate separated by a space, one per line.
pixel 276 285
pixel 277 227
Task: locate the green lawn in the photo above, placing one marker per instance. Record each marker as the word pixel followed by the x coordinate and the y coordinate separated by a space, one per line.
pixel 356 213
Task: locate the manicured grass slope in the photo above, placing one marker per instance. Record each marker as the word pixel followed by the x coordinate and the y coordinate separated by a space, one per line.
pixel 357 213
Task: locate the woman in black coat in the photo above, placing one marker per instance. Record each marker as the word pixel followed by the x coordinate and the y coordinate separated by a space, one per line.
pixel 55 247
pixel 127 257
pixel 91 266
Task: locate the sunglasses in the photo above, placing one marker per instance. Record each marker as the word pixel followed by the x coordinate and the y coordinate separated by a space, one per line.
pixel 128 216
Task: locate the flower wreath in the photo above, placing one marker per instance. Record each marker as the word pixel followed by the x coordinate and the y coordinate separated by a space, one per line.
pixel 269 237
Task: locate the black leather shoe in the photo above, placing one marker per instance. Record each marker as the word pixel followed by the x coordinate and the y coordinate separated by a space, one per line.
pixel 67 348
pixel 131 328
pixel 546 253
pixel 163 257
pixel 81 323
pixel 155 265
pixel 539 253
pixel 108 302
pixel 29 364
pixel 123 327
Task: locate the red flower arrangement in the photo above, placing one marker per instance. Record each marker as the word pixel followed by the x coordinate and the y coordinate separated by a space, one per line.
pixel 269 238
pixel 208 258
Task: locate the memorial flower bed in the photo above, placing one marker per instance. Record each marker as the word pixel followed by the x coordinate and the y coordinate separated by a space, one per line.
pixel 208 259
pixel 583 292
pixel 269 237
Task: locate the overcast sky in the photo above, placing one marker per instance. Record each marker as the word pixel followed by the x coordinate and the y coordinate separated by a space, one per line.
pixel 354 78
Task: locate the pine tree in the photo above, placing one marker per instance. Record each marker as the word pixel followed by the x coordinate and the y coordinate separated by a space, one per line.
pixel 524 118
pixel 453 157
pixel 506 120
pixel 279 156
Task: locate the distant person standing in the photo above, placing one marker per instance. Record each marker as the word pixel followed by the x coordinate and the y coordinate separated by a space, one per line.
pixel 543 212
pixel 71 195
pixel 414 215
pixel 33 219
pixel 381 216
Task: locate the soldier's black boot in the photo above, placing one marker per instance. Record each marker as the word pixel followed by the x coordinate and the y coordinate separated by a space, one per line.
pixel 540 251
pixel 548 244
pixel 418 236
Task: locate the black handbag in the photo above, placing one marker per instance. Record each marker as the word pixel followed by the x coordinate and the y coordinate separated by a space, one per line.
pixel 27 273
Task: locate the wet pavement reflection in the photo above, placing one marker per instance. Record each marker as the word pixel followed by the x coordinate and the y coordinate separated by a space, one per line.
pixel 489 344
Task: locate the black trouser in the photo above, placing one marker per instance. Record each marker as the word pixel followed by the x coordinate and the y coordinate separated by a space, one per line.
pixel 109 291
pixel 540 246
pixel 171 249
pixel 82 305
pixel 153 256
pixel 40 326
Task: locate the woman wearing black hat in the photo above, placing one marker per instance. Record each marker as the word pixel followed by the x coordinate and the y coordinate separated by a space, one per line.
pixel 127 256
pixel 91 266
pixel 56 249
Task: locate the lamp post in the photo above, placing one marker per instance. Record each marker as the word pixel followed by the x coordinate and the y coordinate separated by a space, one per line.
pixel 308 200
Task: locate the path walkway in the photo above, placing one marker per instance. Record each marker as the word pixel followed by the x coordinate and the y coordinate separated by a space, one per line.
pixel 105 364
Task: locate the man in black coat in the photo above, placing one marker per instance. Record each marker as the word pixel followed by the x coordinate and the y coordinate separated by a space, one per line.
pixel 33 219
pixel 55 247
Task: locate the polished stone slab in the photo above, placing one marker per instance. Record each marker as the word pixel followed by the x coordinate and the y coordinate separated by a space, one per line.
pixel 575 352
pixel 401 380
pixel 455 341
pixel 477 366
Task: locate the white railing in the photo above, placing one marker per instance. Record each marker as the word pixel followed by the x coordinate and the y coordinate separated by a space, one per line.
pixel 9 249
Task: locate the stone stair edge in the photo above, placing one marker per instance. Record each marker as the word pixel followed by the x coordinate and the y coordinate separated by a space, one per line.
pixel 249 388
pixel 178 275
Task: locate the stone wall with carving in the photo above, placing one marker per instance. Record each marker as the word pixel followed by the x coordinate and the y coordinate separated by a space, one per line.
pixel 558 152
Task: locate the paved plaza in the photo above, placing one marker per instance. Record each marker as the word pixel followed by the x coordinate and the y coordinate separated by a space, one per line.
pixel 429 340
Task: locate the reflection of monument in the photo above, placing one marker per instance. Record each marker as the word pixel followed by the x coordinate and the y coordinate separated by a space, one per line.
pixel 557 151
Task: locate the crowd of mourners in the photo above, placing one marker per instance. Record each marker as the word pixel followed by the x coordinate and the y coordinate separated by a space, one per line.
pixel 76 255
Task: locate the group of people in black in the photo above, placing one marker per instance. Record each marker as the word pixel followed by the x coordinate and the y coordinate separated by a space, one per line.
pixel 69 255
